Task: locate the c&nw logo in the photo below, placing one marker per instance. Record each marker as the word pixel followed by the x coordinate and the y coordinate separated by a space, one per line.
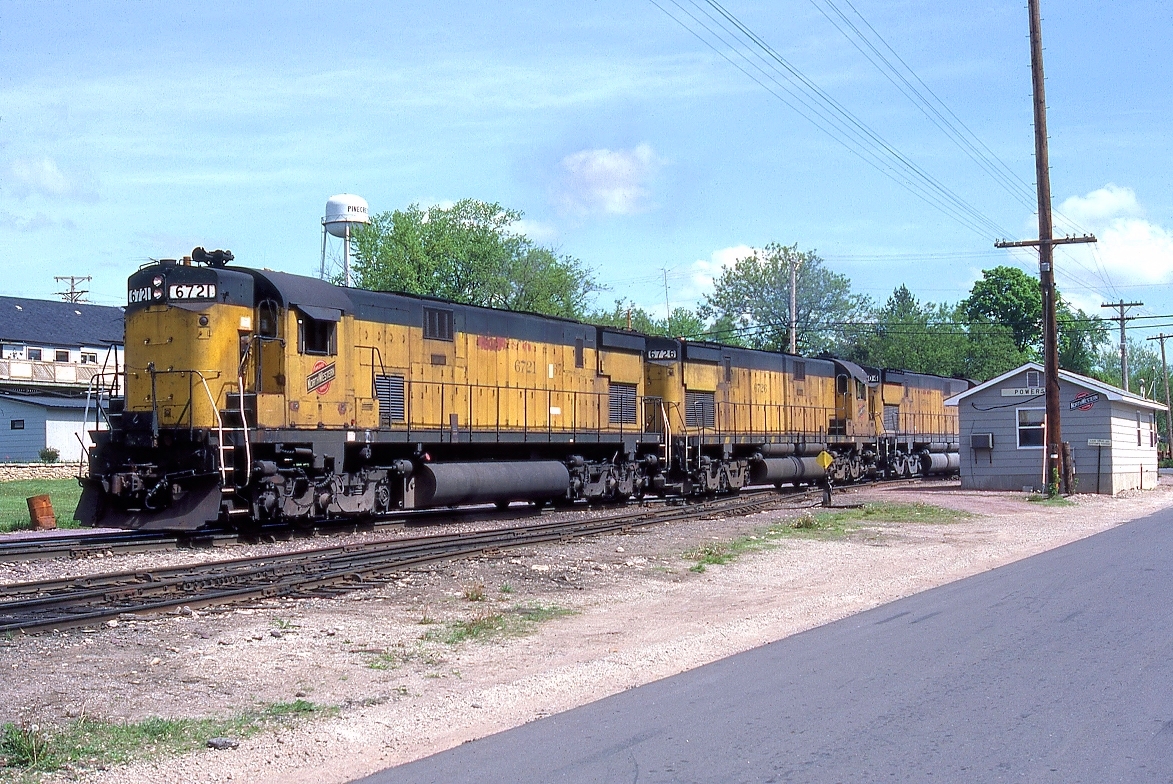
pixel 1084 401
pixel 320 377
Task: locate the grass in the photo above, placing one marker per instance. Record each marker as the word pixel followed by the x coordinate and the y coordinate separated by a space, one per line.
pixel 474 592
pixel 90 743
pixel 14 511
pixel 517 621
pixel 820 525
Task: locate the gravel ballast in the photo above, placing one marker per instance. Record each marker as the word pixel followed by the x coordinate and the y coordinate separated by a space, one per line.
pixel 458 651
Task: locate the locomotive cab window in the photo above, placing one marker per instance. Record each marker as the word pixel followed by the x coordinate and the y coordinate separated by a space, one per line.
pixel 437 324
pixel 316 336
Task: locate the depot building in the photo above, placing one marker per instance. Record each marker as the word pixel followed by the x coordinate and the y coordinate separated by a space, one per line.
pixel 1112 433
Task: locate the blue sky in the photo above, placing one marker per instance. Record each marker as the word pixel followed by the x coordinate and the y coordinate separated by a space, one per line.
pixel 137 131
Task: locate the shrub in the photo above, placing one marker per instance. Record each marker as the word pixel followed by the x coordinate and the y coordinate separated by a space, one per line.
pixel 49 455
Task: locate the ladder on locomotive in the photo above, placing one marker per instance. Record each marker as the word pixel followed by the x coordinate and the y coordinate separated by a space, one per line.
pixel 232 434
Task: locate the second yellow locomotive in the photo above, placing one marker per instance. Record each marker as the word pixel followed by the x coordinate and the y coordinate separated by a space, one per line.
pixel 254 395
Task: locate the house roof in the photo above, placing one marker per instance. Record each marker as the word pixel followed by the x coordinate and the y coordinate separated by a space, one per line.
pixel 52 323
pixel 1107 390
pixel 48 401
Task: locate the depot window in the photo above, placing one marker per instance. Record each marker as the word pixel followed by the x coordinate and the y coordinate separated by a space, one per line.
pixel 16 424
pixel 1031 428
pixel 317 336
pixel 34 354
pixel 61 356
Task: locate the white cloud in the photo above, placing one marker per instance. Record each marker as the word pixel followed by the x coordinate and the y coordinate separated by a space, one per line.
pixel 42 176
pixel 33 223
pixel 705 271
pixel 610 182
pixel 536 230
pixel 1131 249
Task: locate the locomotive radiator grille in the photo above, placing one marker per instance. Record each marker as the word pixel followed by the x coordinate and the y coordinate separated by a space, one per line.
pixel 389 391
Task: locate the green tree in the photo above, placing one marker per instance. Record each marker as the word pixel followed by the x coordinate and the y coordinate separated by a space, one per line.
pixel 754 297
pixel 1012 298
pixel 469 253
pixel 1144 364
pixel 935 338
pixel 685 323
pixel 1008 296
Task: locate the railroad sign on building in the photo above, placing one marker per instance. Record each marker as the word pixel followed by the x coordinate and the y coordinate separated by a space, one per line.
pixel 1023 391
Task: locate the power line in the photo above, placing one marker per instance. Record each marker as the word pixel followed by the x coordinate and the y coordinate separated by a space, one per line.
pixel 777 76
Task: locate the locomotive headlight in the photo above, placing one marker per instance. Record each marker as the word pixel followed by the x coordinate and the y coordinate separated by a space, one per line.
pixel 157 281
pixel 203 321
pixel 157 294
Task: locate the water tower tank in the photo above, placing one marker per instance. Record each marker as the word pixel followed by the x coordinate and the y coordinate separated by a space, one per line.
pixel 343 211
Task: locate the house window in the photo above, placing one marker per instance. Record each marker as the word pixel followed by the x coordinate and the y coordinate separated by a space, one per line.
pixel 578 352
pixel 89 358
pixel 1138 428
pixel 1153 430
pixel 437 324
pixel 317 336
pixel 16 424
pixel 34 354
pixel 1031 428
pixel 61 355
pixel 11 351
pixel 1034 379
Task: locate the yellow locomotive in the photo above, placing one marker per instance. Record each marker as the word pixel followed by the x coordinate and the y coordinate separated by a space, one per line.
pixel 254 396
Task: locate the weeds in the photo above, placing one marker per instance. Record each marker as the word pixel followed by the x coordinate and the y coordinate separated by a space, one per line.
pixel 92 742
pixel 821 525
pixel 506 588
pixel 1047 500
pixel 475 592
pixel 515 622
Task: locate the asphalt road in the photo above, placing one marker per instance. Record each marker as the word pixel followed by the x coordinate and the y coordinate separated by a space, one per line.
pixel 1053 669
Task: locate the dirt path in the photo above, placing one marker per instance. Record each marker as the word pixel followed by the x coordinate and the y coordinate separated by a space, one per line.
pixel 573 623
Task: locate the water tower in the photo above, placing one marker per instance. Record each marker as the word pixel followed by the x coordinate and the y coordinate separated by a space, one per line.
pixel 343 212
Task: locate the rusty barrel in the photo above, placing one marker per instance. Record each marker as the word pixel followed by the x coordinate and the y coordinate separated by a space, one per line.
pixel 41 512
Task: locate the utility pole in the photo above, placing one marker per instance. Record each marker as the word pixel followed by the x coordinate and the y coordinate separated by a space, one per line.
pixel 74 294
pixel 1165 375
pixel 667 307
pixel 1053 454
pixel 795 263
pixel 1123 336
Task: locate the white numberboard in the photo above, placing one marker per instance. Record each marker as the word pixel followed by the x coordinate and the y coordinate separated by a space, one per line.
pixel 190 291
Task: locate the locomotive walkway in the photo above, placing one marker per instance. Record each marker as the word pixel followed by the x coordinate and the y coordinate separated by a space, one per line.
pixel 1058 668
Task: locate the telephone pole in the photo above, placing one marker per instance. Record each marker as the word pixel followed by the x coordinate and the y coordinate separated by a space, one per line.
pixel 1123 337
pixel 1165 375
pixel 795 263
pixel 74 294
pixel 1045 243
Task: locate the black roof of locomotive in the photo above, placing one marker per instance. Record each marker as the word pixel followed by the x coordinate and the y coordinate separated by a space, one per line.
pixel 393 307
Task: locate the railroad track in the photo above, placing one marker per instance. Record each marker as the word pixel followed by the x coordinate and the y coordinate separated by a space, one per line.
pixel 90 600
